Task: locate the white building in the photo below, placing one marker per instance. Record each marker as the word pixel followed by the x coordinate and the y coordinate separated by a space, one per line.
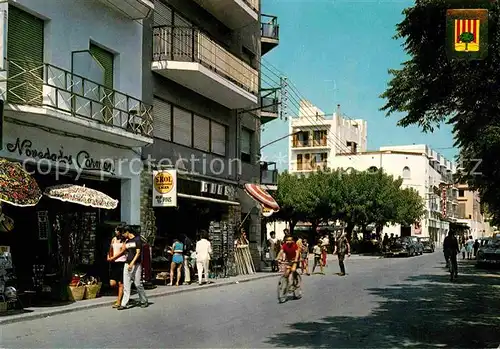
pixel 71 81
pixel 317 138
pixel 422 169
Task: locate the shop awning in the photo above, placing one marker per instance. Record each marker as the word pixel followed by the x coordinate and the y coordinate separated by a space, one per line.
pixel 261 196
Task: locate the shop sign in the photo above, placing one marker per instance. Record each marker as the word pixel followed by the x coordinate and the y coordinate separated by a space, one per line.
pixel 267 212
pixel 165 188
pixel 82 161
pixel 214 189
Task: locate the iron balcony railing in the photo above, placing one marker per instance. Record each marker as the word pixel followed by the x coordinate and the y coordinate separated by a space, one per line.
pixel 310 143
pixel 189 44
pixel 269 105
pixel 269 27
pixel 43 84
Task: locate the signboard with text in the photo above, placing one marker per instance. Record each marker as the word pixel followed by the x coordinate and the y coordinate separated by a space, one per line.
pixel 165 188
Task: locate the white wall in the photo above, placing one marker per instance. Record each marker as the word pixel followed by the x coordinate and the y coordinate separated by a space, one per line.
pixel 72 24
pixel 44 142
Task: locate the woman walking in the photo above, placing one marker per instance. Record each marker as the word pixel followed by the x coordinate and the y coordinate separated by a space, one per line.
pixel 305 257
pixel 177 262
pixel 116 274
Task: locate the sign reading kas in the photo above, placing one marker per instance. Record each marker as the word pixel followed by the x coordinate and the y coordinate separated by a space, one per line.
pixel 82 160
pixel 165 188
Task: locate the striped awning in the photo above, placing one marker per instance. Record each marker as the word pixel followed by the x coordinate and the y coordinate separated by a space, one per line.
pixel 260 195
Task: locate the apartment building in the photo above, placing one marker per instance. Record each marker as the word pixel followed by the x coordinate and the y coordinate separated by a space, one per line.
pixel 469 211
pixel 422 169
pixel 317 138
pixel 203 79
pixel 74 113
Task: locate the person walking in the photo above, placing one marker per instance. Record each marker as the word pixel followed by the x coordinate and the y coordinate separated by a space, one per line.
pixel 203 252
pixel 305 257
pixel 317 257
pixel 342 248
pixel 177 262
pixel 476 247
pixel 272 244
pixel 117 264
pixel 188 248
pixel 469 247
pixel 132 271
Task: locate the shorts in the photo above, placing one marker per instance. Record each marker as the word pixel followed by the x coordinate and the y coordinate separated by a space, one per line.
pixel 177 259
pixel 117 271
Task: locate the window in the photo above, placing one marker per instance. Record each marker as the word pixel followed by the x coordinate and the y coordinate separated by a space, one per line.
pixel 406 172
pixel 201 133
pixel 461 193
pixel 218 133
pixel 461 210
pixel 299 162
pixel 246 145
pixel 182 127
pixel 162 120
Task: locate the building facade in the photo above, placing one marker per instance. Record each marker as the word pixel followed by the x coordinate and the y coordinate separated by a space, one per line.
pixel 469 211
pixel 316 139
pixel 422 169
pixel 74 110
pixel 202 76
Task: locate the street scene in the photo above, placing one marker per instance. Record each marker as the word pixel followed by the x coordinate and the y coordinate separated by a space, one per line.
pixel 382 303
pixel 249 174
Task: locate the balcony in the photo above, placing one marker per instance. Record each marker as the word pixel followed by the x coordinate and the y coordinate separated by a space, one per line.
pixel 310 166
pixel 189 57
pixel 314 143
pixel 43 94
pixel 269 103
pixel 268 175
pixel 269 33
pixel 233 13
pixel 133 9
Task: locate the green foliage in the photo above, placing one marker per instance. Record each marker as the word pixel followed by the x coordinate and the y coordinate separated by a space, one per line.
pixel 430 89
pixel 356 198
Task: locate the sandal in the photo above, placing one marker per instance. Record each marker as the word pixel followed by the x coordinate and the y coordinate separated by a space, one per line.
pixel 116 305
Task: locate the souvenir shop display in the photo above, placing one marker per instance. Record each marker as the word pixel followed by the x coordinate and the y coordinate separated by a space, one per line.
pixel 221 238
pixel 17 187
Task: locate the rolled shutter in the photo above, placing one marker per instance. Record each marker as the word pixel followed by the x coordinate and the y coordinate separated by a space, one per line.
pixel 218 138
pixel 25 54
pixel 182 127
pixel 201 133
pixel 162 120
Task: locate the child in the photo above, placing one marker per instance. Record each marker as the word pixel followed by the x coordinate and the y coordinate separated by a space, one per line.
pixel 317 250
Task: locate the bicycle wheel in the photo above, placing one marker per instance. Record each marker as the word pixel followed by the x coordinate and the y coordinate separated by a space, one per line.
pixel 282 289
pixel 297 292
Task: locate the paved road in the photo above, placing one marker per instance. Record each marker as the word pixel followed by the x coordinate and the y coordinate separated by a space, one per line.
pixel 383 303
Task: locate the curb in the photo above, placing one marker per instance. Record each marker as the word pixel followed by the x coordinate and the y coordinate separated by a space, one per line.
pixel 35 316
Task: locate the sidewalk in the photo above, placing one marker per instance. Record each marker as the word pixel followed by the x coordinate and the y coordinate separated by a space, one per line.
pixel 41 312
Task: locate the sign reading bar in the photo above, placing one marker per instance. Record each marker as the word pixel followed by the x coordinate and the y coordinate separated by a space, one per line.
pixel 467 34
pixel 165 188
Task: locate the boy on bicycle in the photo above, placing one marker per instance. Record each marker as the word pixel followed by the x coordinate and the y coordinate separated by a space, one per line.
pixel 292 253
pixel 451 249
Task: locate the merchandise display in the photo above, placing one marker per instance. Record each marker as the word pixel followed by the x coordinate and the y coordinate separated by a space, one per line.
pixel 17 187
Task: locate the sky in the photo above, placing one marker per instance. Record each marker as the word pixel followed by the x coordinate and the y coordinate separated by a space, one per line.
pixel 339 52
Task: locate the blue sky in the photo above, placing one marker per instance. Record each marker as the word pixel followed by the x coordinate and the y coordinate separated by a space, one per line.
pixel 338 52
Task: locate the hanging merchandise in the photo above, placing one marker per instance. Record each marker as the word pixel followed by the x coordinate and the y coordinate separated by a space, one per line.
pixel 17 187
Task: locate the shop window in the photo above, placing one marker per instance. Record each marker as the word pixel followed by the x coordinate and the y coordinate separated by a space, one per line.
pixel 406 172
pixel 162 120
pixel 201 133
pixel 246 145
pixel 218 138
pixel 182 127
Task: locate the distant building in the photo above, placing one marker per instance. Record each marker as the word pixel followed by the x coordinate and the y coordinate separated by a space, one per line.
pixel 469 212
pixel 316 138
pixel 422 169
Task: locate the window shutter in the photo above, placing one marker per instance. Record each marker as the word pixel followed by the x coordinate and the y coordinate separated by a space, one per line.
pixel 106 59
pixel 201 133
pixel 162 120
pixel 182 127
pixel 246 141
pixel 218 139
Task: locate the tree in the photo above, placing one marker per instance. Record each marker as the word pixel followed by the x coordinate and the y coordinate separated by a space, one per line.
pixel 410 207
pixel 466 38
pixel 431 89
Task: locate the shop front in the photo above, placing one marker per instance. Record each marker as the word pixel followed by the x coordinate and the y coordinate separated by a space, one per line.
pixel 54 159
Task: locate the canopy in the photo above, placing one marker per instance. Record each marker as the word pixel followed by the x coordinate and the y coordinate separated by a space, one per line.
pixel 17 186
pixel 261 196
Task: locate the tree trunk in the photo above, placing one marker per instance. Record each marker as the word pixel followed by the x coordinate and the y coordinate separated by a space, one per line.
pixel 349 228
pixel 292 225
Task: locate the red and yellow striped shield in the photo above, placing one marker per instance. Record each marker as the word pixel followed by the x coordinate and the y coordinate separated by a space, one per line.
pixel 467 35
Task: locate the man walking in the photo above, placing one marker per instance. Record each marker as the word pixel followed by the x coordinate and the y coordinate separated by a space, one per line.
pixel 342 248
pixel 203 252
pixel 132 271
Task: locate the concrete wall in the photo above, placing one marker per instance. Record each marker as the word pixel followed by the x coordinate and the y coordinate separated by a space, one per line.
pixel 72 25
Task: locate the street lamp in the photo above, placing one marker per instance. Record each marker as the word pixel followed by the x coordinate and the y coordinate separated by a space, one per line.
pixel 279 139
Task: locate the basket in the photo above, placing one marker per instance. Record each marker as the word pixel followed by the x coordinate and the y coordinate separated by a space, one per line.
pixel 92 291
pixel 77 292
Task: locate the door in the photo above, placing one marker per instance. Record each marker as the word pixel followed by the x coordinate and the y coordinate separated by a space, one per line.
pixel 106 60
pixel 25 54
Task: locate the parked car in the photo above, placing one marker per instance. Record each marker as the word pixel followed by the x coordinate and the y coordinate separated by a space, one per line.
pixel 419 247
pixel 428 245
pixel 405 246
pixel 489 253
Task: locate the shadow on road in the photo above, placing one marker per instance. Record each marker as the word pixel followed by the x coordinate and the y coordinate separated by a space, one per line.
pixel 431 312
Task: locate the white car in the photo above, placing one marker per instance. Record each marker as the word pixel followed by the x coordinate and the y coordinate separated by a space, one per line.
pixel 489 253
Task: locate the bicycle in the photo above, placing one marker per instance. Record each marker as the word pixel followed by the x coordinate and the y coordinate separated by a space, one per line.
pixel 284 287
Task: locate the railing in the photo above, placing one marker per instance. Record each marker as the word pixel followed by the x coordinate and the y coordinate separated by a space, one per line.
pixel 187 44
pixel 310 166
pixel 269 105
pixel 310 143
pixel 269 27
pixel 43 84
pixel 269 177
